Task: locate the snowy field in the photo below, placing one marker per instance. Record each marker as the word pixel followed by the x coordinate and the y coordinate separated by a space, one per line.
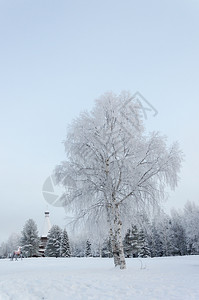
pixel 95 278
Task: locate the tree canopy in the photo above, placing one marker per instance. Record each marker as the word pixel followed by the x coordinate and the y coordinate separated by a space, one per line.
pixel 114 168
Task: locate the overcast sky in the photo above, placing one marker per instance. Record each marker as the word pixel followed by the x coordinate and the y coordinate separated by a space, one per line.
pixel 56 57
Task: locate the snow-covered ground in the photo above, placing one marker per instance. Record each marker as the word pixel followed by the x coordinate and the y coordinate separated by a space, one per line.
pixel 94 278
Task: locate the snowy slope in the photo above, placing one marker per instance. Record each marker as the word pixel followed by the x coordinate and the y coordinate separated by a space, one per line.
pixel 95 278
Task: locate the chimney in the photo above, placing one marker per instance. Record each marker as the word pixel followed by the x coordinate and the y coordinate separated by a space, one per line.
pixel 47 225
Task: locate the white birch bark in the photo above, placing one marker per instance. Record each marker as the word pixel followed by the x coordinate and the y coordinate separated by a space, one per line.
pixel 118 224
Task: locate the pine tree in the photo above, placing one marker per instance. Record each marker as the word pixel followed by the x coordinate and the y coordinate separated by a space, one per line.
pixel 131 242
pixel 53 246
pixel 65 246
pixel 143 245
pixel 128 244
pixel 160 241
pixel 191 221
pixel 30 239
pixel 165 234
pixel 154 242
pixel 88 249
pixel 106 249
pixel 178 235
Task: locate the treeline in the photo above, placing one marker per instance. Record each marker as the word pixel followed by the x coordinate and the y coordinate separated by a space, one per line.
pixel 57 243
pixel 165 235
pixel 162 235
pixel 30 243
pixel 177 234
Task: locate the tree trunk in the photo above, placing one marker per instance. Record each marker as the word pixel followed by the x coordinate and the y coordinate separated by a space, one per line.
pixel 115 249
pixel 116 237
pixel 115 228
pixel 118 227
pixel 112 235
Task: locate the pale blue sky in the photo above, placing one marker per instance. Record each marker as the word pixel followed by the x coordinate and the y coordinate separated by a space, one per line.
pixel 56 57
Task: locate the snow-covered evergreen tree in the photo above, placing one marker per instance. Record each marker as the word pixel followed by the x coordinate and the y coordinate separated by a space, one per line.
pixel 178 237
pixel 160 241
pixel 88 252
pixel 165 233
pixel 191 225
pixel 154 241
pixel 143 245
pixel 65 245
pixel 131 242
pixel 128 244
pixel 30 239
pixel 53 246
pixel 106 249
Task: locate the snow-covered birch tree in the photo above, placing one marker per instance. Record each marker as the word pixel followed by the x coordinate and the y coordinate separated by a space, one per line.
pixel 113 168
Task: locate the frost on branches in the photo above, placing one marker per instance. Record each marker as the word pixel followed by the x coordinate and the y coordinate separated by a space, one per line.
pixel 30 239
pixel 113 169
pixel 53 247
pixel 65 246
